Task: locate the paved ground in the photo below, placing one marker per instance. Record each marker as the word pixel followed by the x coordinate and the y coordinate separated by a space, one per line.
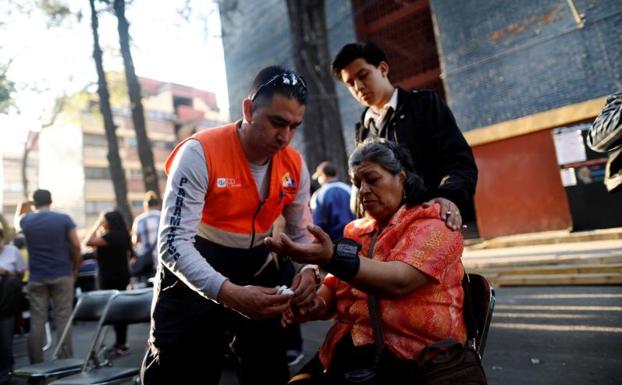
pixel 539 335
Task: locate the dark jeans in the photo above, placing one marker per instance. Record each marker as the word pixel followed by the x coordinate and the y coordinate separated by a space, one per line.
pixel 189 333
pixel 120 330
pixel 7 328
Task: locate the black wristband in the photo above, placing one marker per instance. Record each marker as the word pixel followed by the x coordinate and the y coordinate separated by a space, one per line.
pixel 345 262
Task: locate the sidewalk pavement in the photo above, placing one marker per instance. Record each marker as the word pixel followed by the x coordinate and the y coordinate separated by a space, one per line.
pixel 313 335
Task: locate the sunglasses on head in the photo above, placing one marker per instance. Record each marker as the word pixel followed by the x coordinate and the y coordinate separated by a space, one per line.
pixel 283 79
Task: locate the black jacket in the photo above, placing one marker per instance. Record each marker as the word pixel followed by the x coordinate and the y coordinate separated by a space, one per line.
pixel 441 156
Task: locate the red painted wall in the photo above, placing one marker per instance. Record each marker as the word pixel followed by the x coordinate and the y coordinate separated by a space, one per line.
pixel 519 188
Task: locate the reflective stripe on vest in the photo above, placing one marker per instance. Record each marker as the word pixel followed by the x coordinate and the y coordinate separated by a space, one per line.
pixel 233 214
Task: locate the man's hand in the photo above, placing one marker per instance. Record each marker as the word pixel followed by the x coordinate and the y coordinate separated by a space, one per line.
pixel 254 302
pixel 449 212
pixel 319 252
pixel 304 286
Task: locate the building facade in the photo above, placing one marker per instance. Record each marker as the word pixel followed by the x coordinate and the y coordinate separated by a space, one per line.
pixel 523 79
pixel 72 154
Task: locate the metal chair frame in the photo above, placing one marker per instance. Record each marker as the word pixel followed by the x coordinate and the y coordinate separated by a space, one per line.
pixel 89 308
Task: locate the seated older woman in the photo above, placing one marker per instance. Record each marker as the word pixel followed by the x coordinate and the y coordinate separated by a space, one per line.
pixel 408 259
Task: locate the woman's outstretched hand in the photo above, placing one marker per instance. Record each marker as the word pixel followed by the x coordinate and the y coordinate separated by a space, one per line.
pixel 319 252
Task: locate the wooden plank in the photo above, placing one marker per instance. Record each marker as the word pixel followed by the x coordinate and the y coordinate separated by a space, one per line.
pixel 558 279
pixel 609 268
pixel 522 261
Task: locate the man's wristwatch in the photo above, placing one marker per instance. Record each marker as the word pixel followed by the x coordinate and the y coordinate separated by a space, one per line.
pixel 345 262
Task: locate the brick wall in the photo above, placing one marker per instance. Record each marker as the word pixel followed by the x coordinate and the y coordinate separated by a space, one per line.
pixel 256 34
pixel 505 59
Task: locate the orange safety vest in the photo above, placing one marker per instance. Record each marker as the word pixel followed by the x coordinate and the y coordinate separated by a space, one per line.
pixel 233 213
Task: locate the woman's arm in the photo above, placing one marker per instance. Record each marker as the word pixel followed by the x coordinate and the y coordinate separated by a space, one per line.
pixel 414 259
pixel 91 238
pixel 391 278
pixel 387 279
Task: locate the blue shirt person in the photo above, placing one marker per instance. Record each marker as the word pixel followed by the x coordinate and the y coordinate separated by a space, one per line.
pixel 330 204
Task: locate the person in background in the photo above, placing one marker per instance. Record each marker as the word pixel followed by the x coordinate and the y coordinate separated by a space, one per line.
pixel 145 237
pixel 417 119
pixel 330 204
pixel 53 262
pixel 403 254
pixel 12 267
pixel 605 135
pixel 113 248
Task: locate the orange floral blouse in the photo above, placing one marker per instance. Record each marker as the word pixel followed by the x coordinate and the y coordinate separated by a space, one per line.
pixel 418 237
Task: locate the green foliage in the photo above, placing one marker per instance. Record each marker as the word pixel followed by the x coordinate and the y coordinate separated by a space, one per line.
pixel 56 10
pixel 7 87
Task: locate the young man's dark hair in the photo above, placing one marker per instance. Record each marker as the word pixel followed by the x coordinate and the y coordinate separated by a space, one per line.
pixel 350 52
pixel 277 80
pixel 42 198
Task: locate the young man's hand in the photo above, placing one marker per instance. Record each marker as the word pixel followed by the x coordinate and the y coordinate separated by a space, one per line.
pixel 449 212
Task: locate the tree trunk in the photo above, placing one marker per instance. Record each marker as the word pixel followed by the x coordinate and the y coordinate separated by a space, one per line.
pixel 323 137
pixel 30 143
pixel 150 176
pixel 114 160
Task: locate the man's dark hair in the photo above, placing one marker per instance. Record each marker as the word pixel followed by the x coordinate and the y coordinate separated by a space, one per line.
pixel 277 80
pixel 152 200
pixel 329 169
pixel 1 234
pixel 350 52
pixel 42 198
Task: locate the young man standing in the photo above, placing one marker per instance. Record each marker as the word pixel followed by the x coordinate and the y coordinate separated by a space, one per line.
pixel 145 237
pixel 216 277
pixel 418 120
pixel 330 204
pixel 53 260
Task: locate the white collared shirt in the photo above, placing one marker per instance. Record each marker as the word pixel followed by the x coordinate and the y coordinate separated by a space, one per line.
pixel 378 117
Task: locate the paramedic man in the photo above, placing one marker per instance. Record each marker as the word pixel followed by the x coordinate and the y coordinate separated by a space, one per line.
pixel 216 278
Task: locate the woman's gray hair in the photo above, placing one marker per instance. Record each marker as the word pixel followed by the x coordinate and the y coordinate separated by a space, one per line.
pixel 393 158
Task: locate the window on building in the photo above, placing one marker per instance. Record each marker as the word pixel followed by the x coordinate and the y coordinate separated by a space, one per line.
pixel 96 207
pixel 131 142
pixel 13 186
pixel 136 205
pixel 181 101
pixel 97 173
pixel 95 140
